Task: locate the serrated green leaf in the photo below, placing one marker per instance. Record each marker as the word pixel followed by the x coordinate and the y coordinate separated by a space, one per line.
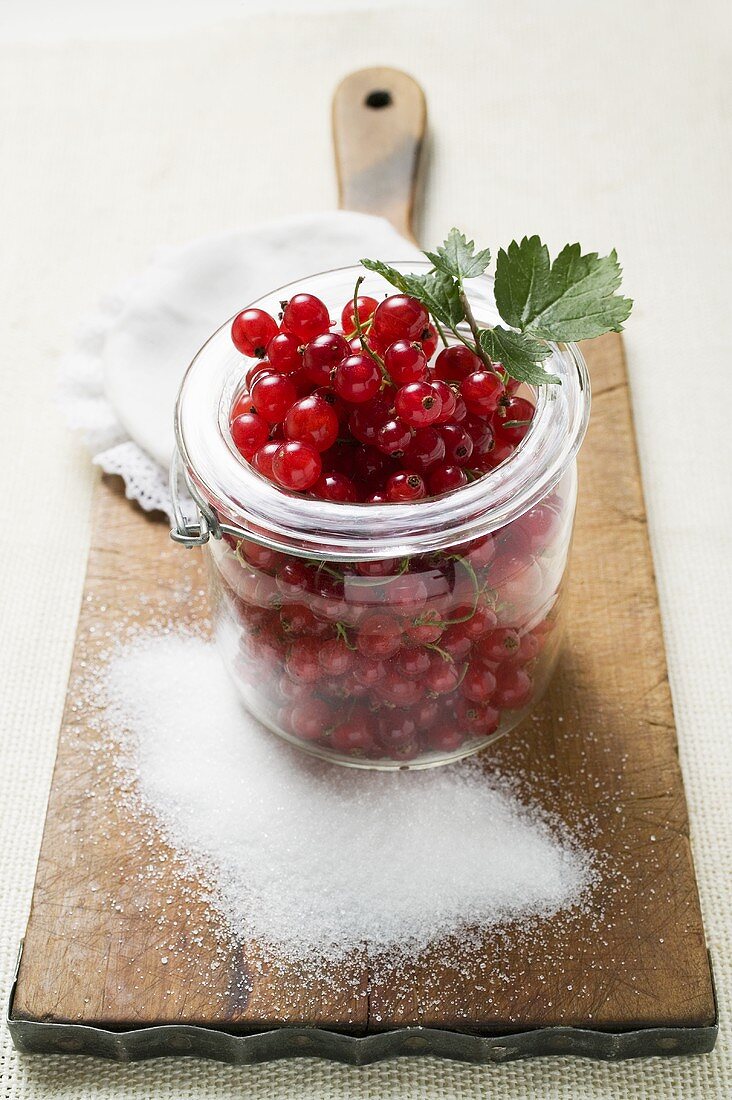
pixel 437 291
pixel 571 299
pixel 520 354
pixel 457 257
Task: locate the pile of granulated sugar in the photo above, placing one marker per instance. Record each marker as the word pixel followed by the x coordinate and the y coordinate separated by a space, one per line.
pixel 310 858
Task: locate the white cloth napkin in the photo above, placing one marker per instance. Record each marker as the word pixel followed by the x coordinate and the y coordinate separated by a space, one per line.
pixel 119 384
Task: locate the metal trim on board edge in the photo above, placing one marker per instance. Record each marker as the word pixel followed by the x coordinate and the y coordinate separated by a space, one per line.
pixel 170 1040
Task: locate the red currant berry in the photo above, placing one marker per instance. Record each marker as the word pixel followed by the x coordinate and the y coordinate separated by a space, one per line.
pixel 366 307
pixel 479 684
pixel 427 629
pixel 296 465
pixel 443 479
pixel 400 317
pixel 443 677
pixel 257 369
pixel 312 420
pixel 481 392
pixel 426 448
pixel 417 404
pixel 456 641
pixel 429 342
pixel 272 395
pixel 455 363
pixel 302 662
pixel 285 353
pixel 366 420
pixel 393 438
pixel 481 621
pixel 379 636
pixel 514 419
pixel 405 362
pixel 426 713
pixel 292 578
pixel 514 687
pixel 249 433
pixel 321 355
pixel 458 444
pixel 445 738
pixel 310 718
pixel 357 379
pixel 448 400
pixel 262 460
pixel 413 662
pixel 335 657
pixel 306 316
pixel 336 487
pixel 243 404
pixel 404 487
pixel 371 468
pixel 353 737
pixel 499 645
pixel 396 730
pixel 252 331
pixel 399 692
pixel 480 719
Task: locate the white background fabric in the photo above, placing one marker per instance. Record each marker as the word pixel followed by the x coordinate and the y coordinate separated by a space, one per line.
pixel 604 122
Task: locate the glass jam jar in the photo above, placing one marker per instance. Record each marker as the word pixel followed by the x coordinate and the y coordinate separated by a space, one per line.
pixel 384 635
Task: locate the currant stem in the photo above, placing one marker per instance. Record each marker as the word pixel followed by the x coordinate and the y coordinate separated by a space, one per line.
pixel 359 329
pixel 470 318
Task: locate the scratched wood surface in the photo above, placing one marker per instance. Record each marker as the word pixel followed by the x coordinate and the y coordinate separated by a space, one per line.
pixel 113 944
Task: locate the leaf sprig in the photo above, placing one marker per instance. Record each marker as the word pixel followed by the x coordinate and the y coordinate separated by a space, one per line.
pixel 571 298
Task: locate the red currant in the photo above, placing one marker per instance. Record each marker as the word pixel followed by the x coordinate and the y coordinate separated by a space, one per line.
pixel 249 433
pixel 312 420
pixel 481 392
pixel 413 662
pixel 310 718
pixel 365 306
pixel 429 342
pixel 514 687
pixel 336 487
pixel 405 362
pixel 296 465
pixel 445 738
pixel 458 444
pixel 418 404
pixel 404 487
pixel 400 317
pixel 262 459
pixel 514 419
pixel 426 448
pixel 455 363
pixel 243 404
pixel 443 479
pixel 393 438
pixel 252 331
pixel 442 677
pixel 379 636
pixel 272 395
pixel 306 316
pixel 366 420
pixel 479 684
pixel 285 353
pixel 353 737
pixel 448 400
pixel 321 355
pixel 499 645
pixel 357 379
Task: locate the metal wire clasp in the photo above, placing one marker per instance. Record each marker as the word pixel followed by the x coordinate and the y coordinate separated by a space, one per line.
pixel 190 533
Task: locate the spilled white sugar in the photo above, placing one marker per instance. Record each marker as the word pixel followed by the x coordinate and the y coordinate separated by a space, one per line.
pixel 314 859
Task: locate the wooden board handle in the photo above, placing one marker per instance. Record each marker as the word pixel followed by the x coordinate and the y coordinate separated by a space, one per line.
pixel 379 122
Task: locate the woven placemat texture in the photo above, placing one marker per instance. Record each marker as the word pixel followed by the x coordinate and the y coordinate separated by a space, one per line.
pixel 607 123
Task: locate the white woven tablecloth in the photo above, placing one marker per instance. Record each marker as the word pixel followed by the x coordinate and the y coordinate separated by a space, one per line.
pixel 603 122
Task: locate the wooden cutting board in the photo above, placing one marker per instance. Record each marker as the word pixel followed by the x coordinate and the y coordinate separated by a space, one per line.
pixel 630 976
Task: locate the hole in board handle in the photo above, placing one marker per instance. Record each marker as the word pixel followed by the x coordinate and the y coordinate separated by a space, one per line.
pixel 378 99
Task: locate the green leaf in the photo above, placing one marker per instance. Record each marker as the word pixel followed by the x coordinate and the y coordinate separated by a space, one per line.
pixel 519 353
pixel 457 257
pixel 437 291
pixel 571 299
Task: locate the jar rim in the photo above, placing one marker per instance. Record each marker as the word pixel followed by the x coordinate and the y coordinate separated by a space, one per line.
pixel 339 531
